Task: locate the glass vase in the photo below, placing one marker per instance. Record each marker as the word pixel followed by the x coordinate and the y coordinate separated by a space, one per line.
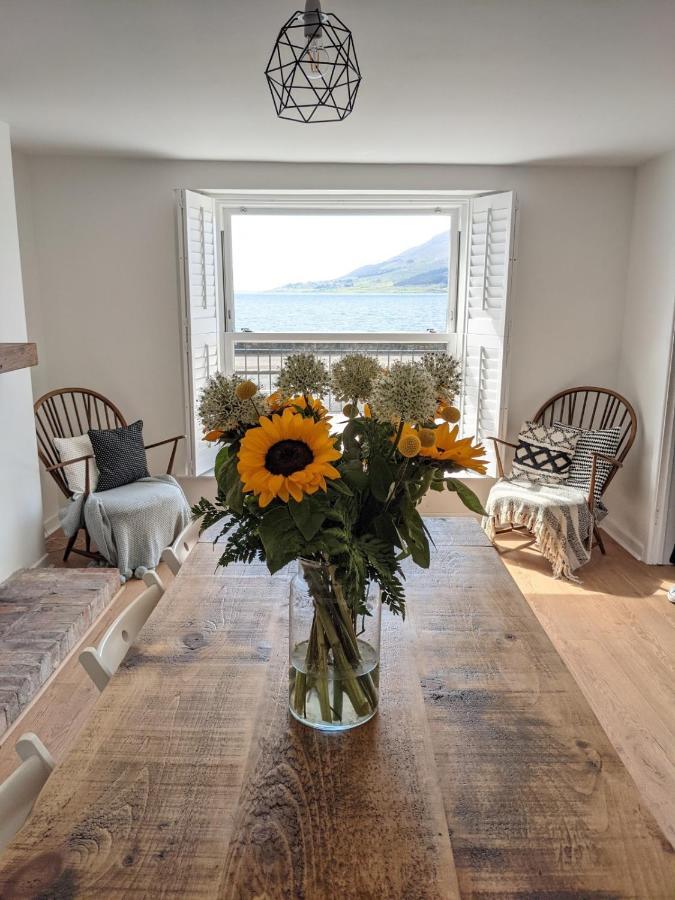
pixel 334 653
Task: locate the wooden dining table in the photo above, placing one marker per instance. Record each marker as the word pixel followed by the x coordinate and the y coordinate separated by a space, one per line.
pixel 484 774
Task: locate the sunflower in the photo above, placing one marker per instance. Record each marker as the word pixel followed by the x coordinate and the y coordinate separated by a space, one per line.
pixel 286 456
pixel 315 406
pixel 460 451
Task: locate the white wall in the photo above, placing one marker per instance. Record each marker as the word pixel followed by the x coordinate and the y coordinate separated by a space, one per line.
pixel 107 294
pixel 645 351
pixel 21 539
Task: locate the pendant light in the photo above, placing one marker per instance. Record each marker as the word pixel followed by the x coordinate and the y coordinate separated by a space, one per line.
pixel 312 73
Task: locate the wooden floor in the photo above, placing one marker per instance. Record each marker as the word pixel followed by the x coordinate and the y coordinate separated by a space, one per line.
pixel 615 631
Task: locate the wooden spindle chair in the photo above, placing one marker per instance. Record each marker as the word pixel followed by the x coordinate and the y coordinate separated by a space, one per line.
pixel 69 412
pixel 587 408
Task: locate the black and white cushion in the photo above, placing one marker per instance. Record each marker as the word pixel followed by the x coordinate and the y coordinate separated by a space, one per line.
pixel 120 455
pixel 544 453
pixel 605 441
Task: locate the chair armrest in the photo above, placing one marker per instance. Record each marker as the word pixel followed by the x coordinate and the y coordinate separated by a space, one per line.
pixel 178 437
pixel 171 440
pixel 496 441
pixel 69 462
pixel 609 459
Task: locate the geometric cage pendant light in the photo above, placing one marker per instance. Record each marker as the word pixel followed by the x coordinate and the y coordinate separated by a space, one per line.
pixel 313 73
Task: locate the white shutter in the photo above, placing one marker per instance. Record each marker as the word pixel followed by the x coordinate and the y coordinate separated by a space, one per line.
pixel 484 314
pixel 201 314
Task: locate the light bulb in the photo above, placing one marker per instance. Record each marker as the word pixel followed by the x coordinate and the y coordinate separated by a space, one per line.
pixel 316 56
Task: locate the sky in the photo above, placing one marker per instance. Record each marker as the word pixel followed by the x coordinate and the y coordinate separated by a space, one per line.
pixel 270 251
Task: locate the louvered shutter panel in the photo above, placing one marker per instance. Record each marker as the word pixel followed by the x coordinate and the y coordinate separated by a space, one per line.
pixel 484 317
pixel 202 313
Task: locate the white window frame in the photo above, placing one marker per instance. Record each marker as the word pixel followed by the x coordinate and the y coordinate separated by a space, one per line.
pixel 295 204
pixel 456 205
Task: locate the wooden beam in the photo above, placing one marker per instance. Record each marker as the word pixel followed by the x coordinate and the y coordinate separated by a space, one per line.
pixel 17 356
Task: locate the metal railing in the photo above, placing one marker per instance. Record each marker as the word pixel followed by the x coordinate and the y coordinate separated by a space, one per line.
pixel 260 357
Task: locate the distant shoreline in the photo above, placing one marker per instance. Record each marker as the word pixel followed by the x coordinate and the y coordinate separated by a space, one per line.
pixel 343 293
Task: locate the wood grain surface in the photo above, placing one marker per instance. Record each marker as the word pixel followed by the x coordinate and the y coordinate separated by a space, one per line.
pixel 484 774
pixel 43 615
pixel 17 356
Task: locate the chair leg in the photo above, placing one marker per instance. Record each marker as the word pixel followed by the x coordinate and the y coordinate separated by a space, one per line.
pixel 87 541
pixel 69 546
pixel 598 538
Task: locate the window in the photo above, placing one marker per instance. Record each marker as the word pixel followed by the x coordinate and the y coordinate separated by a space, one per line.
pixel 395 279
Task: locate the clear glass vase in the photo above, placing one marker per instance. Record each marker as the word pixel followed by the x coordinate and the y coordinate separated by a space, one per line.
pixel 334 654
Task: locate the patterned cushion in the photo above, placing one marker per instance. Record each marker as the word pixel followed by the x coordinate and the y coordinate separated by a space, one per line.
pixel 74 448
pixel 544 453
pixel 604 441
pixel 120 455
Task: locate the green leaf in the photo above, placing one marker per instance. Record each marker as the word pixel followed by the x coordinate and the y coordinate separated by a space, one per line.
pixel 384 528
pixel 340 486
pixel 466 495
pixel 221 458
pixel 307 516
pixel 381 479
pixel 350 443
pixel 353 474
pixel 279 538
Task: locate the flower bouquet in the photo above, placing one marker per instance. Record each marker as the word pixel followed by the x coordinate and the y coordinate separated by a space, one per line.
pixel 341 499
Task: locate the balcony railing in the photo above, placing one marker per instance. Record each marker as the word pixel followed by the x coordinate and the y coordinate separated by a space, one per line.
pixel 261 356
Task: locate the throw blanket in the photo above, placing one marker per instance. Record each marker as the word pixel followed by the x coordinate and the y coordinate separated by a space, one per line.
pixel 558 516
pixel 131 525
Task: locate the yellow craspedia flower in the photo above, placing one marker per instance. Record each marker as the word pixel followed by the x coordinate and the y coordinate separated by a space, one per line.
pixel 245 390
pixel 449 413
pixel 427 437
pixel 288 455
pixel 409 443
pixel 409 446
pixel 461 451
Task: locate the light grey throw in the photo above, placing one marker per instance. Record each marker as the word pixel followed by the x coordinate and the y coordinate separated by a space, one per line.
pixel 557 515
pixel 132 524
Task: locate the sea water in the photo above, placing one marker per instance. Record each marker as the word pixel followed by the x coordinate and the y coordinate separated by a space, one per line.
pixel 287 312
pixel 343 713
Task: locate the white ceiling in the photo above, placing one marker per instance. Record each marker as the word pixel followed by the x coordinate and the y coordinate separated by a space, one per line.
pixel 445 81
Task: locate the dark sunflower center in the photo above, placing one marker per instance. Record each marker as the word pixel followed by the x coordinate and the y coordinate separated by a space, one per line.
pixel 287 457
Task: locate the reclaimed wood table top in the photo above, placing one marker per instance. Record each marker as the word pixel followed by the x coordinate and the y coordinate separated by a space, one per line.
pixel 485 773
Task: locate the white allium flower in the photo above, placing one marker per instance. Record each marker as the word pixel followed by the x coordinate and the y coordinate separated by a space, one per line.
pixel 303 373
pixel 446 373
pixel 405 392
pixel 220 408
pixel 352 376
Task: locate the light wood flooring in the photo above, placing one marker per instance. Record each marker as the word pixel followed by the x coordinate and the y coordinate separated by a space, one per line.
pixel 615 631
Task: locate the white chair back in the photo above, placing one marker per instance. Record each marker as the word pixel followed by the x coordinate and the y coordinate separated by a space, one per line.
pixel 19 791
pixel 151 577
pixel 101 662
pixel 175 555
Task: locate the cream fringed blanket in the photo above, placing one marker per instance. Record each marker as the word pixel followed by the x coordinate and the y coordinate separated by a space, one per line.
pixel 557 516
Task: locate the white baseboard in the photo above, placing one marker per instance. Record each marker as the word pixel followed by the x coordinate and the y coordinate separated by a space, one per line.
pixel 51 524
pixel 624 539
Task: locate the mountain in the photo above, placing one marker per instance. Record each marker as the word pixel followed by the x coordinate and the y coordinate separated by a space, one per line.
pixel 421 269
